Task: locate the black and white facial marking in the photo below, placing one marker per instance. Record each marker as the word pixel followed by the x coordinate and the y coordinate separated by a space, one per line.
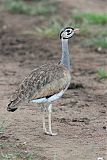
pixel 66 33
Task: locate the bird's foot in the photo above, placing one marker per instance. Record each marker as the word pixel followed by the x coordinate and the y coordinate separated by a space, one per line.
pixel 50 133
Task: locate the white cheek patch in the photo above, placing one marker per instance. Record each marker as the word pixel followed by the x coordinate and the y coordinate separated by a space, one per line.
pixel 72 33
pixel 64 34
pixel 67 35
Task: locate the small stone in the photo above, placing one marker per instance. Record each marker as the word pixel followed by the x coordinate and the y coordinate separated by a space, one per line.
pixel 104 127
pixel 100 158
pixel 99 49
pixel 24 143
pixel 5 27
pixel 102 111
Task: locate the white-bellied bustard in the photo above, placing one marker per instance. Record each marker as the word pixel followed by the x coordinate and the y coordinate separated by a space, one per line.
pixel 46 83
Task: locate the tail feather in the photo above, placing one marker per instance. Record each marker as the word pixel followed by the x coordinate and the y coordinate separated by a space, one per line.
pixel 12 106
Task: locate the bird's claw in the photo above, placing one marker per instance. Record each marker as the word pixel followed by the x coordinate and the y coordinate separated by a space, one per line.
pixel 50 133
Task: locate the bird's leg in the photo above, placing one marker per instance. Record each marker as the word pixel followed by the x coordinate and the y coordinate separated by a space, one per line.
pixel 44 125
pixel 49 118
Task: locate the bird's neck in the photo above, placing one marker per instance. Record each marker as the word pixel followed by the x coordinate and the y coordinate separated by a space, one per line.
pixel 65 59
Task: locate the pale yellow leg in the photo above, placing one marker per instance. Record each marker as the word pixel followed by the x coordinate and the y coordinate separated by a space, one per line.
pixel 44 125
pixel 49 121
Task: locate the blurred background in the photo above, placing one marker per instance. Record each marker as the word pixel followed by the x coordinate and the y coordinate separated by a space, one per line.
pixel 29 37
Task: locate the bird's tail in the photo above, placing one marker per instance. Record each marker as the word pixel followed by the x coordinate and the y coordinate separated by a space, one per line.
pixel 13 105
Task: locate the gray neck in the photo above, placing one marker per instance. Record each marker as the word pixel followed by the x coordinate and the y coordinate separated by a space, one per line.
pixel 65 60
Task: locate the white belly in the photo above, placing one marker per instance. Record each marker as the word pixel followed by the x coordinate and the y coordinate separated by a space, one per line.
pixel 50 99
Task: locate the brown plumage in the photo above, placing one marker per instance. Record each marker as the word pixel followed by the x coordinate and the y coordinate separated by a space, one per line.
pixel 42 82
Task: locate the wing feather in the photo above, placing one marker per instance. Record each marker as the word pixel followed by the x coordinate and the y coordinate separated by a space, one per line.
pixel 44 81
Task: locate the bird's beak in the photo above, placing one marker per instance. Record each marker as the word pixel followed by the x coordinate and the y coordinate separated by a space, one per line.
pixel 76 30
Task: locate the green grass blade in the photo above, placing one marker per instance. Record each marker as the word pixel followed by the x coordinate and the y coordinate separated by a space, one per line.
pixel 102 74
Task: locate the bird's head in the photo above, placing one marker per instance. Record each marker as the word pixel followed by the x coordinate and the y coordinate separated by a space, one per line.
pixel 68 32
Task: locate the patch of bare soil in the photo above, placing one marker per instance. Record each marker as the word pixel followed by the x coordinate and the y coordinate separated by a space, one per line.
pixel 79 117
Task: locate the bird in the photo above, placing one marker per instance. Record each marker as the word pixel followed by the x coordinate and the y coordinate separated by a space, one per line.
pixel 46 83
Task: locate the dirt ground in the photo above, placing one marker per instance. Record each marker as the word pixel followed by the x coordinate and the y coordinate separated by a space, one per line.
pixel 79 116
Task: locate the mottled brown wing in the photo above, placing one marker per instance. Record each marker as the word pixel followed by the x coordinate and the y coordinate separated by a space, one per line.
pixel 44 81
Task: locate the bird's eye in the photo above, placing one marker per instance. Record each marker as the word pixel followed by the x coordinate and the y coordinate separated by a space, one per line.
pixel 68 31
